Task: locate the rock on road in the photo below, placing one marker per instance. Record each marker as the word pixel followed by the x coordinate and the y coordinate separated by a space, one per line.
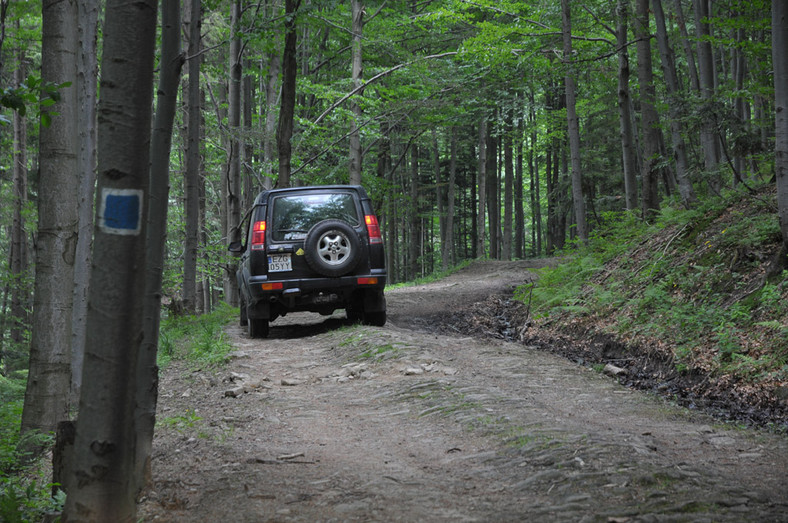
pixel 326 421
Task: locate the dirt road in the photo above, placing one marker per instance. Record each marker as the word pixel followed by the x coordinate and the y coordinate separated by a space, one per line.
pixel 325 421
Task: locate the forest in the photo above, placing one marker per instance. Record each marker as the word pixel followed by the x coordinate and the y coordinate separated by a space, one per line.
pixel 496 129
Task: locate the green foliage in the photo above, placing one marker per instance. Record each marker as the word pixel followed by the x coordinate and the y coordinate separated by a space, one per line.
pixel 12 394
pixel 24 500
pixel 198 339
pixel 692 280
pixel 33 92
pixel 25 495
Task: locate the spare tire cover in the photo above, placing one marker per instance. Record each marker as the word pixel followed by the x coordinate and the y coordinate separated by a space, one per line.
pixel 332 248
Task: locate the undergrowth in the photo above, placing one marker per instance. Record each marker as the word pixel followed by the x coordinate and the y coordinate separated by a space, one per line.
pixel 25 492
pixel 199 339
pixel 696 281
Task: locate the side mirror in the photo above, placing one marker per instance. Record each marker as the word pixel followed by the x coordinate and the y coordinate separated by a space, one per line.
pixel 236 248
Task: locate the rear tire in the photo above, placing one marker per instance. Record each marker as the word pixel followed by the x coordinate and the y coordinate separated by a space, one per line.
pixel 244 317
pixel 257 328
pixel 378 319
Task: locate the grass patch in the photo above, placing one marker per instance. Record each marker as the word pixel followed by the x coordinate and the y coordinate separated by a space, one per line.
pixel 199 339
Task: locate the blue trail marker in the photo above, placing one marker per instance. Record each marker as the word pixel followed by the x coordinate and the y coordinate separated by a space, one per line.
pixel 120 211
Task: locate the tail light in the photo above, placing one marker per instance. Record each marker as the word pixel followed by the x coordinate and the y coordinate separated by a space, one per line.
pixel 373 229
pixel 258 236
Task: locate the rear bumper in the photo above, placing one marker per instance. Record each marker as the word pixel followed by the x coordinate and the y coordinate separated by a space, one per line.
pixel 310 294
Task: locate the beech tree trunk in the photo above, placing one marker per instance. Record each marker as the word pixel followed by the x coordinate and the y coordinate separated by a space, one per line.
pixel 448 254
pixel 19 256
pixel 232 182
pixel 649 118
pixel 357 13
pixel 578 200
pixel 628 149
pixel 676 129
pixel 86 85
pixel 481 182
pixel 779 52
pixel 147 376
pixel 193 163
pixel 492 191
pixel 101 482
pixel 49 379
pixel 508 191
pixel 287 107
pixel 708 137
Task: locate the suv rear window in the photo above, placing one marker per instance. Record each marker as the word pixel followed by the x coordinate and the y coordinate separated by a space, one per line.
pixel 293 216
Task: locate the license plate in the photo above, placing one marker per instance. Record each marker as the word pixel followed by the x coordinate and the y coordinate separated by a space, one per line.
pixel 279 263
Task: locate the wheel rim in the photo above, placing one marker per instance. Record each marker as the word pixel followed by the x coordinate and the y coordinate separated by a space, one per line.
pixel 333 248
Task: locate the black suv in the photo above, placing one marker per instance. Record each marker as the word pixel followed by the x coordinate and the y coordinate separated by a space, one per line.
pixel 312 249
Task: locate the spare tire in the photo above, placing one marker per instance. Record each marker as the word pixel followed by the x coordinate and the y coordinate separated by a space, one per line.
pixel 332 248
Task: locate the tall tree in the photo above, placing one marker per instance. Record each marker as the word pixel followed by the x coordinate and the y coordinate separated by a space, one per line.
pixel 508 190
pixel 481 183
pixel 19 255
pixel 147 375
pixel 49 378
pixel 101 484
pixel 779 53
pixel 709 140
pixel 649 118
pixel 287 106
pixel 193 163
pixel 231 186
pixel 672 83
pixel 578 200
pixel 87 77
pixel 449 252
pixel 357 28
pixel 628 150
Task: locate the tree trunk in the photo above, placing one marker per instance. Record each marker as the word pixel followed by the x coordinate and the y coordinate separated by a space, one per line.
pixel 287 107
pixel 19 255
pixel 232 184
pixel 439 198
pixel 101 482
pixel 690 55
pixel 481 182
pixel 492 191
pixel 533 167
pixel 86 85
pixel 578 200
pixel 147 377
pixel 628 150
pixel 649 118
pixel 676 129
pixel 508 191
pixel 271 97
pixel 193 163
pixel 779 52
pixel 708 136
pixel 519 214
pixel 448 254
pixel 357 13
pixel 49 378
pixel 250 188
pixel 414 244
